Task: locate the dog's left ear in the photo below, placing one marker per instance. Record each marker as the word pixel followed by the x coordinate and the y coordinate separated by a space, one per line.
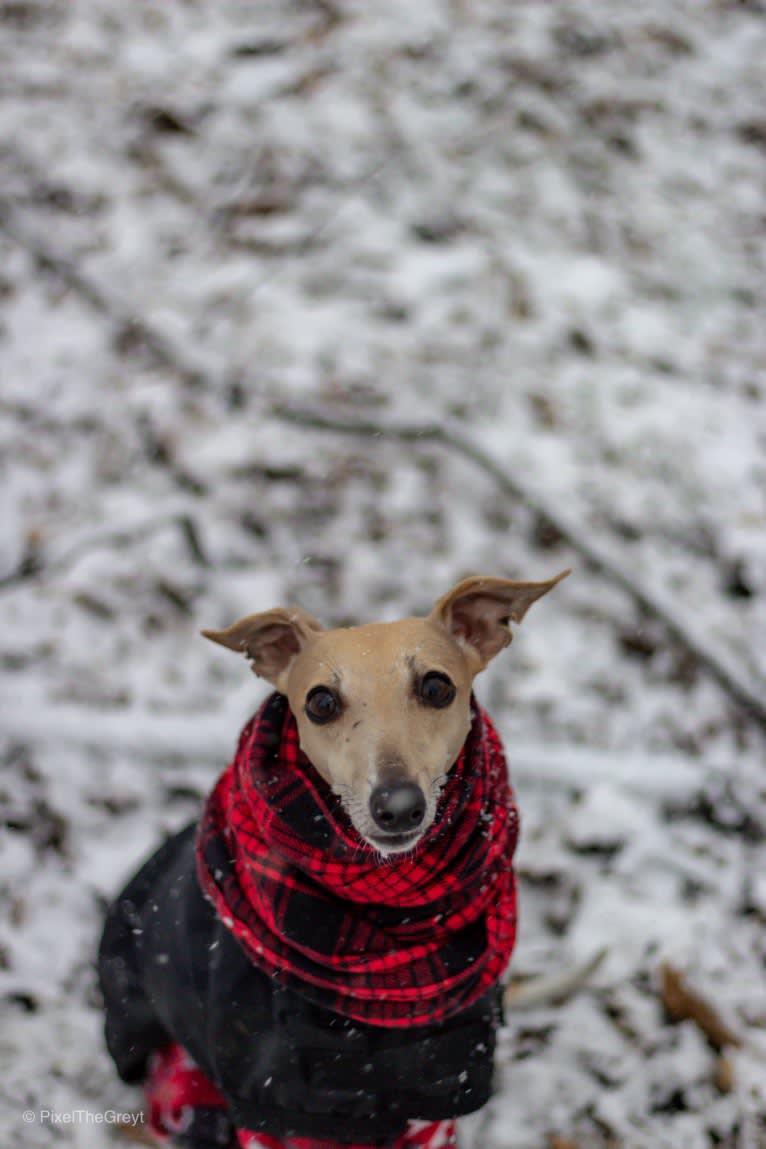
pixel 271 640
pixel 477 611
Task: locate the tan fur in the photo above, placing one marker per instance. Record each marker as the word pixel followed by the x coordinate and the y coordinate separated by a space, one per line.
pixel 384 731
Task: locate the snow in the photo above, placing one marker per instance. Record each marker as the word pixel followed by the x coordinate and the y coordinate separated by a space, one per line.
pixel 541 224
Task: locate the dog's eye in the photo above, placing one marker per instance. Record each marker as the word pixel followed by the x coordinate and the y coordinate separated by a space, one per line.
pixel 322 705
pixel 436 689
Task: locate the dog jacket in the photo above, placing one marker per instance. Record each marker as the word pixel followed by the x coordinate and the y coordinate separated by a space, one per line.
pixel 323 993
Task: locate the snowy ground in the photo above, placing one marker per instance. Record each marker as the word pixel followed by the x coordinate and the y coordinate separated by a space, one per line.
pixel 541 223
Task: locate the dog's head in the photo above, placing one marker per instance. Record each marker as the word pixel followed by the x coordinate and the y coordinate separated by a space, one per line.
pixel 383 709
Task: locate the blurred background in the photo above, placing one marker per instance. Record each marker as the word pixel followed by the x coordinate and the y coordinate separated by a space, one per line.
pixel 335 303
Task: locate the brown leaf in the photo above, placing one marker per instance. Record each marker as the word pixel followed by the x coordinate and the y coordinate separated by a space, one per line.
pixel 136 1134
pixel 723 1077
pixel 685 1004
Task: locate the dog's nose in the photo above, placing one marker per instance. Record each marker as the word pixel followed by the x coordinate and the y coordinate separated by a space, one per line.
pixel 398 807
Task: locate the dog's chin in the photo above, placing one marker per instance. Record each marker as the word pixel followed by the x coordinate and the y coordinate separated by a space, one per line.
pixel 388 844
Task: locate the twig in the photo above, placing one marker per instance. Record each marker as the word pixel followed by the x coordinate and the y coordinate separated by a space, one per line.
pixel 34 565
pixel 127 324
pixel 552 988
pixel 652 600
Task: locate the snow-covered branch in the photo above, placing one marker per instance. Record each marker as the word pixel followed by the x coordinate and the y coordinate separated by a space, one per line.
pixel 598 555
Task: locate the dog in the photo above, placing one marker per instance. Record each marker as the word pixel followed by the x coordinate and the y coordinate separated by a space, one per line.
pixel 316 961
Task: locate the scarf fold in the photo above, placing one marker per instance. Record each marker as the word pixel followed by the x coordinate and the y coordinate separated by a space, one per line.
pixel 408 940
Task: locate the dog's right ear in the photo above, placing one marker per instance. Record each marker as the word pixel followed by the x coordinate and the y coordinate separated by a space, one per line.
pixel 271 640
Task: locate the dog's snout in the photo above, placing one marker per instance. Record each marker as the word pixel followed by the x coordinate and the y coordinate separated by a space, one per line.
pixel 398 807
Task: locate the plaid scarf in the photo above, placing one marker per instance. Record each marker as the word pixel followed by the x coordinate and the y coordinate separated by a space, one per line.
pixel 408 940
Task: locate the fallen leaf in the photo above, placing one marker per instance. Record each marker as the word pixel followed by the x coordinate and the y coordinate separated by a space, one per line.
pixel 136 1133
pixel 685 1004
pixel 723 1077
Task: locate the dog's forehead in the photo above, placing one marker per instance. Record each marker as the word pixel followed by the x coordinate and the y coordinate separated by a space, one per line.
pixel 407 644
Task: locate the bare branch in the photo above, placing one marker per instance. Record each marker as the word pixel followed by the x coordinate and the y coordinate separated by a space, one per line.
pixel 654 601
pixel 127 324
pixel 35 565
pixel 552 988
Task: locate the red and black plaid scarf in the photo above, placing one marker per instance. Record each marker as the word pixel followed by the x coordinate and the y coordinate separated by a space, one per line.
pixel 407 940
